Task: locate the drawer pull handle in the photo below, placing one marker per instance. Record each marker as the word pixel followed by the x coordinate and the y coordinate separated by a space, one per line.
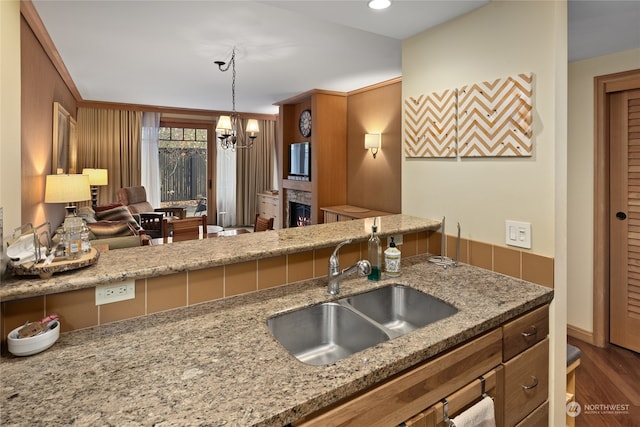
pixel 534 385
pixel 534 331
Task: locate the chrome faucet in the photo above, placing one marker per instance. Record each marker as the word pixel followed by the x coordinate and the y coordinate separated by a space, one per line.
pixel 335 275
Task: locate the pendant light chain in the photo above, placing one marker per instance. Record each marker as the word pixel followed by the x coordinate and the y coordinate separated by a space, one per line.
pixel 229 136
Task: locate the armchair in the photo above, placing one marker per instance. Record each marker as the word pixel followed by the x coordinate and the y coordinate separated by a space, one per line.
pixel 135 199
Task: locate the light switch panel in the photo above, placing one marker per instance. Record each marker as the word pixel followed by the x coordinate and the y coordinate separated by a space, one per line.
pixel 518 234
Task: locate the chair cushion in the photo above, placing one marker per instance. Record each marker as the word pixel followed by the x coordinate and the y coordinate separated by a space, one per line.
pixel 573 354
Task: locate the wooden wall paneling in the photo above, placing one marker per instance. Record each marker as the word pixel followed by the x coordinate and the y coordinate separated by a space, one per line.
pixel 328 152
pixel 495 118
pixel 375 183
pixel 430 125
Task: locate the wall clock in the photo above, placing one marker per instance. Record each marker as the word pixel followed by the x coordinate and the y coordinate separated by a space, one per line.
pixel 305 123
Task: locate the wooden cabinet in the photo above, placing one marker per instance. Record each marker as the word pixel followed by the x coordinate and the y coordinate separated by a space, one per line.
pixel 328 144
pixel 525 383
pixel 269 207
pixel 407 394
pixel 525 331
pixel 513 359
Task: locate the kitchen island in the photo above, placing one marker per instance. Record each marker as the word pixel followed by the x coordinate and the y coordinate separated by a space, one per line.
pixel 217 364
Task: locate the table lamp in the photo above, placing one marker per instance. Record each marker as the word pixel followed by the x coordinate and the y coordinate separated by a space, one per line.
pixel 97 177
pixel 67 189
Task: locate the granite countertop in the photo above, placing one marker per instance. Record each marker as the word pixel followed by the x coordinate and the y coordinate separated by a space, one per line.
pixel 150 261
pixel 217 364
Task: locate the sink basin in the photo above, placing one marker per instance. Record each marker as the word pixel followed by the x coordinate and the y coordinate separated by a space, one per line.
pixel 325 333
pixel 401 309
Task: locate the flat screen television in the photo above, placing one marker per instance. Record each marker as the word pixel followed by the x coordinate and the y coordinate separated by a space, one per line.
pixel 300 161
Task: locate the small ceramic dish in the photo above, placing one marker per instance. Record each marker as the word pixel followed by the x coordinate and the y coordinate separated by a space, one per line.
pixel 35 344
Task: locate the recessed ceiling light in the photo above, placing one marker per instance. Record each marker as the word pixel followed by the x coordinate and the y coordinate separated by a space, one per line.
pixel 379 4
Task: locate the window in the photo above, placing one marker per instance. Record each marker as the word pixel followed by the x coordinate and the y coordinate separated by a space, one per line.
pixel 183 167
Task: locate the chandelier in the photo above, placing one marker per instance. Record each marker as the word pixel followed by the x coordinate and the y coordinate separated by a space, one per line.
pixel 227 126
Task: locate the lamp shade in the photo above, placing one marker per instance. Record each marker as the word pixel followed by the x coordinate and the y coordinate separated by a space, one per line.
pixel 224 123
pixel 96 176
pixel 371 140
pixel 66 188
pixel 252 126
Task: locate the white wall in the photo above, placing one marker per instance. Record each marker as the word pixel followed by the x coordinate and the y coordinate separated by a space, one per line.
pixel 10 114
pixel 581 179
pixel 498 40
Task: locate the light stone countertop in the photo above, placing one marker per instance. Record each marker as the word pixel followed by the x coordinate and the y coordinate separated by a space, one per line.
pixel 216 364
pixel 150 261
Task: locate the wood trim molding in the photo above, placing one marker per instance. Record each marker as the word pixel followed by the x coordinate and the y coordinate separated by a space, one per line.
pixel 603 86
pixel 580 334
pixel 171 110
pixel 30 14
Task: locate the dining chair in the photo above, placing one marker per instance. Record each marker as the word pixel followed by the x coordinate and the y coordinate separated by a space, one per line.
pixel 190 228
pixel 262 224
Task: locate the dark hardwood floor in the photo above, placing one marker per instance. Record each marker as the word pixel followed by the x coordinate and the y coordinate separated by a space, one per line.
pixel 607 376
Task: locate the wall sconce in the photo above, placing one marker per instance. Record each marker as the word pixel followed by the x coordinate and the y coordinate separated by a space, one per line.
pixel 372 141
pixel 97 177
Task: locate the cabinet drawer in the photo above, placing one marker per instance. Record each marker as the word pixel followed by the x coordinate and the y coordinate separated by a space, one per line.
pixel 524 332
pixel 538 418
pixel 526 382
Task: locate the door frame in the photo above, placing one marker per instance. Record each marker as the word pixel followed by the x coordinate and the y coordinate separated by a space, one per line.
pixel 603 86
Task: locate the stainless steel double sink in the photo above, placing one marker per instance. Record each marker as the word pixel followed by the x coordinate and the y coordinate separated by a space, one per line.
pixel 325 333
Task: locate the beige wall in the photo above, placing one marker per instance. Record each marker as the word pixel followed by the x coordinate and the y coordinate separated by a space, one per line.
pixel 581 179
pixel 495 41
pixel 498 40
pixel 10 114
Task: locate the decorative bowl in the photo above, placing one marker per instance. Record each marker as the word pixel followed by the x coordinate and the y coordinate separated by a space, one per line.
pixel 35 344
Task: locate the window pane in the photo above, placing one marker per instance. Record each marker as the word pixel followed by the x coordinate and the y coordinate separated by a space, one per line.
pixel 189 134
pixel 201 135
pixel 164 133
pixel 177 134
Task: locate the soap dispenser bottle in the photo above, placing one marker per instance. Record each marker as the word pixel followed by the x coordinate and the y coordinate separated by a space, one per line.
pixel 375 254
pixel 392 260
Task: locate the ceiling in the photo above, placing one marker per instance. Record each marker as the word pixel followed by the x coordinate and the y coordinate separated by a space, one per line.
pixel 162 52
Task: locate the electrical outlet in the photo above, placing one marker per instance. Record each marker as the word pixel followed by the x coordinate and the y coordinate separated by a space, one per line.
pixel 115 292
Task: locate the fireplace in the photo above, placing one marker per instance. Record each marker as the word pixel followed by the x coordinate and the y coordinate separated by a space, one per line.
pixel 299 214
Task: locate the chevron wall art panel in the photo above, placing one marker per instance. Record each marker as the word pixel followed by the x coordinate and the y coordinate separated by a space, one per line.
pixel 494 118
pixel 430 125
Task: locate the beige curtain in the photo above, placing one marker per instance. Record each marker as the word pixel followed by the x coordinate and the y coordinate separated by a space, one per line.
pixel 110 139
pixel 254 172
